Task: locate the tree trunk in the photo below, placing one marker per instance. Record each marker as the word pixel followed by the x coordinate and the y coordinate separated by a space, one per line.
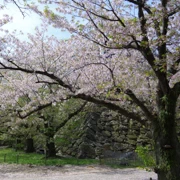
pixel 167 146
pixel 29 145
pixel 51 150
pixel 167 157
pixel 18 144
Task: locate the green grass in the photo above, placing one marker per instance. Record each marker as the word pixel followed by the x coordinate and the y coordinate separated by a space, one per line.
pixel 11 156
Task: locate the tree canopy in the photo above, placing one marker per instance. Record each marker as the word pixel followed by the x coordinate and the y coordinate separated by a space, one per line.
pixel 123 54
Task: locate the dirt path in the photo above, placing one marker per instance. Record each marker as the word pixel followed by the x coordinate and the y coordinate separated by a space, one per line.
pixel 68 172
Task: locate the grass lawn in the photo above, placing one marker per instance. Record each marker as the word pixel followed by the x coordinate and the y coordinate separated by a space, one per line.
pixel 9 156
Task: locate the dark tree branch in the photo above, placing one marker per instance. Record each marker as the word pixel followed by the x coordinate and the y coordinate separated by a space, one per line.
pixel 99 63
pixel 176 10
pixel 146 8
pixel 50 75
pixel 37 109
pixel 162 47
pixel 1 75
pixel 165 18
pixel 20 8
pixel 111 106
pixel 100 16
pixel 115 14
pixel 176 89
pixel 71 115
pixel 40 107
pixel 80 96
pixel 130 45
pixel 101 32
pixel 77 80
pixel 147 113
pixel 142 20
pixel 147 53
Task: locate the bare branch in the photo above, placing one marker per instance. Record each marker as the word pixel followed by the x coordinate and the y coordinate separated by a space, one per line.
pixel 116 14
pixel 20 8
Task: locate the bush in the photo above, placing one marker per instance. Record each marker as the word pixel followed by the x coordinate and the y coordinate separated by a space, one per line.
pixel 146 155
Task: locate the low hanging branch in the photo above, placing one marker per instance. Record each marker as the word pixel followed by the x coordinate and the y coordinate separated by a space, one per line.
pixel 37 109
pixel 44 73
pixel 111 106
pixel 71 115
pixel 140 104
pixel 40 107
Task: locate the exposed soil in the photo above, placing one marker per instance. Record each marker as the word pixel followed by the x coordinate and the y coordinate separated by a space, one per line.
pixel 68 172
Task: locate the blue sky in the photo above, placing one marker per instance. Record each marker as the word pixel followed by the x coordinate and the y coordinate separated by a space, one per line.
pixel 28 23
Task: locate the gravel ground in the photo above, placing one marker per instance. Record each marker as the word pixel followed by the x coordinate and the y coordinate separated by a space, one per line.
pixel 68 172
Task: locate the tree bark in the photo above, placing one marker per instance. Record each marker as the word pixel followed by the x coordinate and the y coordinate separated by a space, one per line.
pixel 18 144
pixel 167 146
pixel 29 145
pixel 167 157
pixel 51 150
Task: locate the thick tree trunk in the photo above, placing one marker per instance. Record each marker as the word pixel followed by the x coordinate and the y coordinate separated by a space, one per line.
pixel 167 158
pixel 18 145
pixel 29 145
pixel 167 146
pixel 51 150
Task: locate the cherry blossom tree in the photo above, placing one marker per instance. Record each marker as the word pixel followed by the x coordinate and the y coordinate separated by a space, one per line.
pixel 123 55
pixel 55 118
pixel 151 29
